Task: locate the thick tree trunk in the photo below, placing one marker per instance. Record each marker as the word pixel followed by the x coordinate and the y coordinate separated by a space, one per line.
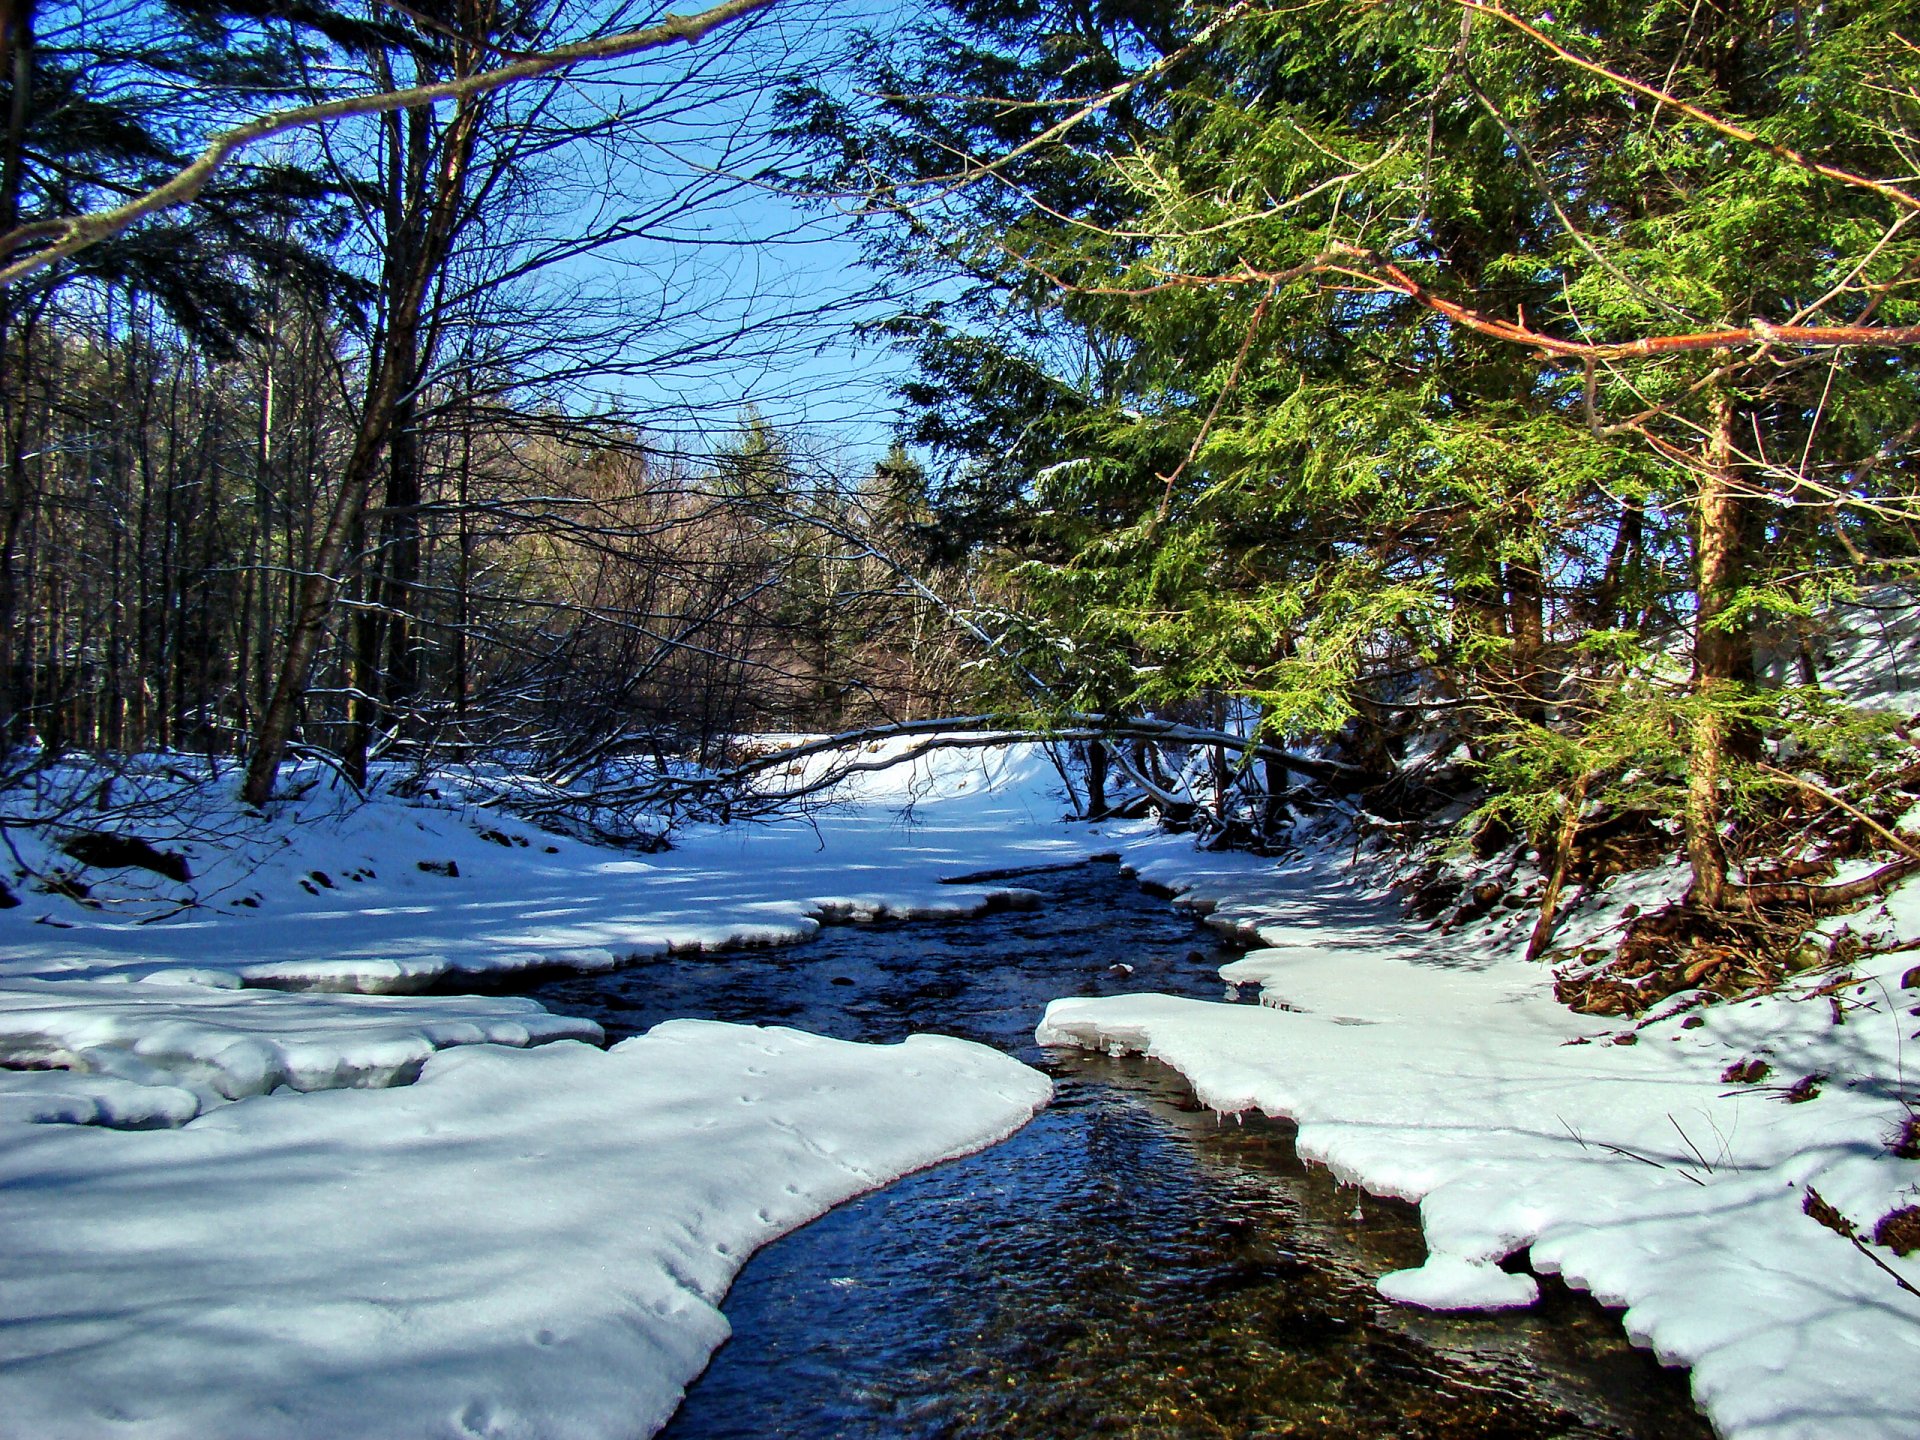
pixel 399 555
pixel 1096 779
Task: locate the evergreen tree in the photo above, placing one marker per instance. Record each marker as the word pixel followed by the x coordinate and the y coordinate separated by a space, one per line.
pixel 1437 366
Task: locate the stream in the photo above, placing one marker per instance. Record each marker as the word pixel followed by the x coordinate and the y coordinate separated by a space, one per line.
pixel 1128 1264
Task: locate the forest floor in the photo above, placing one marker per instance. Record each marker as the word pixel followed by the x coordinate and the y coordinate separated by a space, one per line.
pixel 260 1182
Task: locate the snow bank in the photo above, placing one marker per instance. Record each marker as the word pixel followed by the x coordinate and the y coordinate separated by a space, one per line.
pixel 226 1044
pixel 61 1097
pixel 1445 1074
pixel 521 1244
pixel 392 896
pixel 521 1239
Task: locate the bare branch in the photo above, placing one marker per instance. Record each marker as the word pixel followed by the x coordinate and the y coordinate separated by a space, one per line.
pixel 80 231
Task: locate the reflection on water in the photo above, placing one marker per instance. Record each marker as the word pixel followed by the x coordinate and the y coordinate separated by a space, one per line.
pixel 1128 1264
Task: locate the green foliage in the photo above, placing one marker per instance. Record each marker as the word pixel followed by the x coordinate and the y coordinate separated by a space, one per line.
pixel 1338 489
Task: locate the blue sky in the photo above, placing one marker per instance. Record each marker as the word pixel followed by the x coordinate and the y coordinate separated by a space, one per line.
pixel 757 294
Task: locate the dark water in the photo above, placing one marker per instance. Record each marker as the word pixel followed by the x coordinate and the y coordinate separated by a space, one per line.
pixel 1126 1265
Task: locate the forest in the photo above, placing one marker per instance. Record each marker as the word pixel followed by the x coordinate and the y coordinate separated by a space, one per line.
pixel 1479 412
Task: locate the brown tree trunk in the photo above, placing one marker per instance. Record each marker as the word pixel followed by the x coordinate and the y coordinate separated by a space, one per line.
pixel 307 625
pixel 1722 654
pixel 399 554
pixel 394 375
pixel 400 544
pixel 1561 861
pixel 1620 559
pixel 1096 779
pixel 1527 628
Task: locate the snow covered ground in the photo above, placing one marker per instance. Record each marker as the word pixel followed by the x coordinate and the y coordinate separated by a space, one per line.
pixel 531 1241
pixel 393 896
pixel 518 1244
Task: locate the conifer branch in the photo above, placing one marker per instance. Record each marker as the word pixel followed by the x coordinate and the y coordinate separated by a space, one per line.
pixel 1384 276
pixel 1903 198
pixel 973 168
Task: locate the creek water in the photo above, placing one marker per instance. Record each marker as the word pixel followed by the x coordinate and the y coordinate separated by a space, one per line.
pixel 1128 1264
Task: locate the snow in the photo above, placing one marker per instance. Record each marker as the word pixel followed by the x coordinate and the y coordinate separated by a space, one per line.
pixel 1440 1070
pixel 521 1243
pixel 244 1199
pixel 225 1044
pixel 63 1097
pixel 1870 652
pixel 330 894
pixel 1447 1282
pixel 533 1241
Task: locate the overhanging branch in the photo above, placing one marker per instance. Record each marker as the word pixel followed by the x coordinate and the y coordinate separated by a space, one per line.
pixel 70 236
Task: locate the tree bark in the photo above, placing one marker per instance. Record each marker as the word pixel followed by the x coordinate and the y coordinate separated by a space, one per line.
pixel 1527 626
pixel 1722 654
pixel 1563 843
pixel 1096 779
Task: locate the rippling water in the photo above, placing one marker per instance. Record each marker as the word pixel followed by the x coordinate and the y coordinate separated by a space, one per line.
pixel 1128 1264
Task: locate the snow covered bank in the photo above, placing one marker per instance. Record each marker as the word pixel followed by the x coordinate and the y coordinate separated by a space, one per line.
pixel 1620 1158
pixel 1670 1175
pixel 520 1244
pixel 393 896
pixel 357 901
pixel 214 1044
pixel 508 1242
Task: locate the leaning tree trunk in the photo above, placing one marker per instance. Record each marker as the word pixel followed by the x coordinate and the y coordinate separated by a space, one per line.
pixel 307 625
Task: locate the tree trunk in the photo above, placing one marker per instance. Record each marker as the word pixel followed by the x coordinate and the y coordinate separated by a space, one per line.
pixel 1621 560
pixel 1722 654
pixel 307 625
pixel 440 202
pixel 1562 860
pixel 1526 623
pixel 1096 779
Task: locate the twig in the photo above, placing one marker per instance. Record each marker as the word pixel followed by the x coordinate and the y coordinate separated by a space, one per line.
pixel 1816 1208
pixel 1905 847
